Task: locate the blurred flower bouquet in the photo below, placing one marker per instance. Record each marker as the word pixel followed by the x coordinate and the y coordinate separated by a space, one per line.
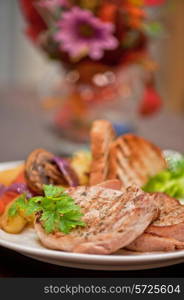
pixel 99 43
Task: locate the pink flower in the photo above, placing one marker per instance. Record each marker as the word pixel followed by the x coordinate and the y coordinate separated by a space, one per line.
pixel 80 32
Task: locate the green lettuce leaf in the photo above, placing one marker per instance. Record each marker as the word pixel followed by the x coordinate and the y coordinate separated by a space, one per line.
pixel 169 181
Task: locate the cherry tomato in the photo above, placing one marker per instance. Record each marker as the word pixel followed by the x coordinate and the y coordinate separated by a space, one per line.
pixel 8 197
pixel 2 206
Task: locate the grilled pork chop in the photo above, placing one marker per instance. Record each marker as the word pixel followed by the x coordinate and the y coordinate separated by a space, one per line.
pixel 166 233
pixel 133 160
pixel 149 243
pixel 102 134
pixel 113 220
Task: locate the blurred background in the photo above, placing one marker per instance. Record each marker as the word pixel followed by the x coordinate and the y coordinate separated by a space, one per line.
pixel 27 75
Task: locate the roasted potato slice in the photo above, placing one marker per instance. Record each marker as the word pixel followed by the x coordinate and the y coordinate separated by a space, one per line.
pixel 12 224
pixel 8 176
pixel 81 163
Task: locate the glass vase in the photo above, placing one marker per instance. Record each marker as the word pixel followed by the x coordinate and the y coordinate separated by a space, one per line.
pixel 75 99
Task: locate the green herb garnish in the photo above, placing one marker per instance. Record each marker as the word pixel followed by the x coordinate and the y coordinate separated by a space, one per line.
pixel 57 209
pixel 171 180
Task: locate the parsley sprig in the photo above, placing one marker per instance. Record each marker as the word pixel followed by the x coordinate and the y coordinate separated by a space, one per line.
pixel 57 209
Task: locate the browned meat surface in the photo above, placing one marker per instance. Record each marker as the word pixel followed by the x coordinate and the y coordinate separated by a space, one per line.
pixel 167 231
pixel 113 220
pixel 149 243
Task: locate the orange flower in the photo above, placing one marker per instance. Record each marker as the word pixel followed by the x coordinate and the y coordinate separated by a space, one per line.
pixel 135 15
pixel 108 12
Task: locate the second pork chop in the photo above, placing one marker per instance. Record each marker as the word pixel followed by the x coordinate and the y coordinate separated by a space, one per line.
pixel 166 233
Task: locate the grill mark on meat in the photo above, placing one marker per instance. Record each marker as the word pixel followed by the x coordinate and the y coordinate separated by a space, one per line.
pixel 120 175
pixel 134 162
pixel 92 203
pixel 103 205
pixel 123 158
pixel 139 163
pixel 100 203
pixel 143 154
pixel 126 166
pixel 131 194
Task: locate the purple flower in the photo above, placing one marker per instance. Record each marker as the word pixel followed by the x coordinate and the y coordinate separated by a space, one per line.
pixel 80 32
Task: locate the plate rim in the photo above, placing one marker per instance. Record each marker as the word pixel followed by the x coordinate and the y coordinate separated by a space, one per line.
pixel 92 257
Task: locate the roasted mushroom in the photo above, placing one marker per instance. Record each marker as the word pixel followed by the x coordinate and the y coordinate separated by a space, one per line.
pixel 41 168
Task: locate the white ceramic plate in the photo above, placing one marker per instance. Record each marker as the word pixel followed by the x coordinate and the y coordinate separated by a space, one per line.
pixel 28 244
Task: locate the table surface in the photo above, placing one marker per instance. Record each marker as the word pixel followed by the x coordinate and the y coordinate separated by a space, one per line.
pixel 23 127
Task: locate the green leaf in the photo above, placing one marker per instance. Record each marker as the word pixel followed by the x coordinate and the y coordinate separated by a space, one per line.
pixel 58 209
pixel 73 215
pixel 36 199
pixel 67 225
pixel 49 221
pixel 65 206
pixel 12 211
pixel 170 181
pixel 53 191
pixel 19 204
pixel 63 226
pixel 31 209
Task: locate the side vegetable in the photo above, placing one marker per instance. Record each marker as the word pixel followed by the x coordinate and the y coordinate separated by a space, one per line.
pixel 81 163
pixel 5 199
pixel 171 180
pixel 14 188
pixel 12 224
